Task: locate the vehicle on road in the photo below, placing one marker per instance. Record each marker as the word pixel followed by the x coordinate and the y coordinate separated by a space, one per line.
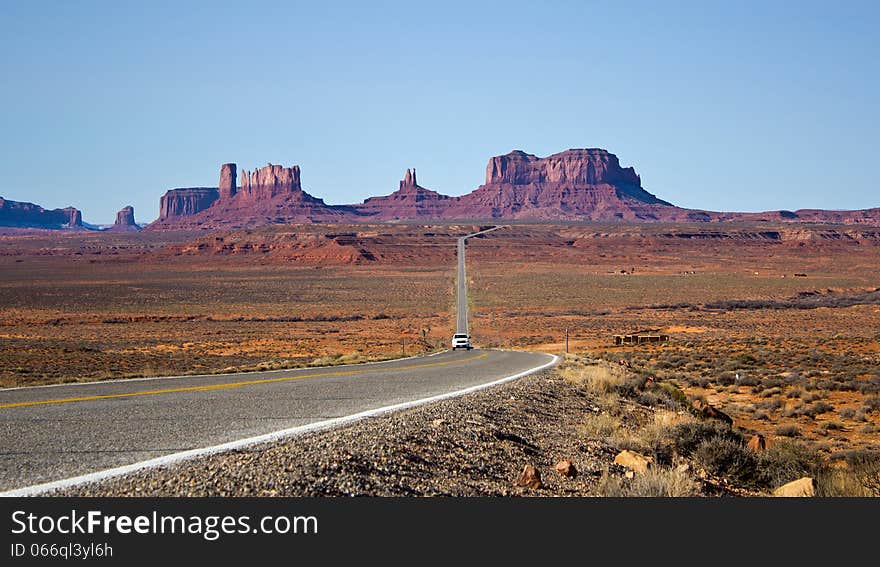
pixel 461 340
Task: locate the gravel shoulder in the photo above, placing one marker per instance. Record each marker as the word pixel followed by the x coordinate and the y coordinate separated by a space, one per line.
pixel 473 445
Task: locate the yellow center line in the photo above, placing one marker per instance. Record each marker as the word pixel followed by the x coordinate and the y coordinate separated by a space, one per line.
pixel 231 385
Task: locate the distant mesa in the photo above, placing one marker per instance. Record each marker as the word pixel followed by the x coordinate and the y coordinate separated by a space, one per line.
pixel 575 185
pixel 586 167
pixel 578 184
pixel 269 195
pixel 28 215
pixel 125 221
pixel 186 201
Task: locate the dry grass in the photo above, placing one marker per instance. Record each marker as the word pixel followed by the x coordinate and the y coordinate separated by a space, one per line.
pixel 657 482
pixel 673 438
pixel 849 483
pixel 597 376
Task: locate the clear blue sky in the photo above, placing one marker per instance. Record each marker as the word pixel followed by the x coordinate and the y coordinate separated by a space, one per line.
pixel 739 106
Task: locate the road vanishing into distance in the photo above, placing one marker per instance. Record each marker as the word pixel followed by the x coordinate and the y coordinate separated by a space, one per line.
pixel 61 435
pixel 461 320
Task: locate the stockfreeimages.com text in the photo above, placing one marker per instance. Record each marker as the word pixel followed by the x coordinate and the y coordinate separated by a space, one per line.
pixel 209 527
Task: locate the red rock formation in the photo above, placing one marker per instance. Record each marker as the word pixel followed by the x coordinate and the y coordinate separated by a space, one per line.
pixel 578 184
pixel 28 215
pixel 228 176
pixel 270 181
pixel 74 217
pixel 409 180
pixel 572 167
pixel 707 411
pixel 125 221
pixel 566 468
pixel 530 477
pixel 269 195
pixel 410 201
pixel 757 443
pixel 574 185
pixel 186 202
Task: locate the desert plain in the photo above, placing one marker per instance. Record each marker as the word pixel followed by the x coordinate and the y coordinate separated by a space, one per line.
pixel 777 325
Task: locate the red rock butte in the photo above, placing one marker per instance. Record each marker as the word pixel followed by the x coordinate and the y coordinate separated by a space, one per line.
pixel 268 195
pixel 28 215
pixel 575 185
pixel 578 184
pixel 125 221
pixel 410 201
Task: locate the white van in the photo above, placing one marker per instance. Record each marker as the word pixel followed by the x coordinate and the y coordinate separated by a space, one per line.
pixel 461 340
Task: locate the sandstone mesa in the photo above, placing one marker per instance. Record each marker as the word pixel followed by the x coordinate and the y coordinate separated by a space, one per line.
pixel 575 185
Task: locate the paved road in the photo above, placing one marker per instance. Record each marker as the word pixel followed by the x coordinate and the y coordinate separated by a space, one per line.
pixel 461 320
pixel 56 432
pixel 53 433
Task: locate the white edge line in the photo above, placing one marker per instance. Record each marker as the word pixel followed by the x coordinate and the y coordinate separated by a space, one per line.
pixel 265 438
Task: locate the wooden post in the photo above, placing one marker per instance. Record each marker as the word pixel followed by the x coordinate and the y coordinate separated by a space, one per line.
pixel 566 339
pixel 403 339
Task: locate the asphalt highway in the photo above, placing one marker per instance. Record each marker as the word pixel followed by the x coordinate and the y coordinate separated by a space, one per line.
pixel 57 432
pixel 52 434
pixel 461 320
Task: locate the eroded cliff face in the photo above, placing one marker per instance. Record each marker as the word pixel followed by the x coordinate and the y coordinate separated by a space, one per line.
pixel 74 217
pixel 269 182
pixel 186 201
pixel 228 180
pixel 577 184
pixel 573 167
pixel 20 214
pixel 269 195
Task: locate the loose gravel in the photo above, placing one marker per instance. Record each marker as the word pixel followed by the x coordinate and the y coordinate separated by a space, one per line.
pixel 473 445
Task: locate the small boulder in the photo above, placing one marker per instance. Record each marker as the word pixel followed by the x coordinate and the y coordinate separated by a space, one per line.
pixel 802 487
pixel 757 443
pixel 529 478
pixel 715 413
pixel 710 412
pixel 634 461
pixel 566 468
